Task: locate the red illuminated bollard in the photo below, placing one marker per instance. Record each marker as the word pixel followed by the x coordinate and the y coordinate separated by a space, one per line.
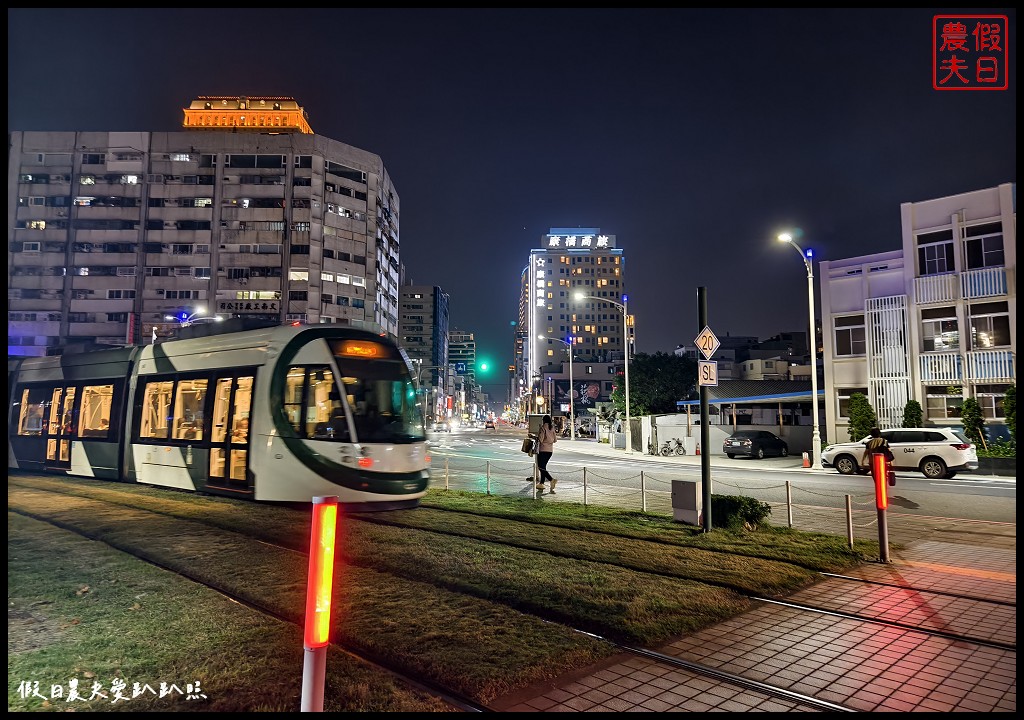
pixel 319 586
pixel 881 469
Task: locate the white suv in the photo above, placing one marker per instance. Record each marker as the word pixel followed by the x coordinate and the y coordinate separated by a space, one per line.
pixel 936 452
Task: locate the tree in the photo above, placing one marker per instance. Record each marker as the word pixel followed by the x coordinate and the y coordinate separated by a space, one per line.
pixel 1010 410
pixel 862 416
pixel 656 382
pixel 913 416
pixel 973 420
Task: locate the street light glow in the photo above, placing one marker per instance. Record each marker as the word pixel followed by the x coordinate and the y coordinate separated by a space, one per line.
pixel 185 319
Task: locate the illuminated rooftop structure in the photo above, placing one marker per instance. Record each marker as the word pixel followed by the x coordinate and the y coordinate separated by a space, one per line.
pixel 280 114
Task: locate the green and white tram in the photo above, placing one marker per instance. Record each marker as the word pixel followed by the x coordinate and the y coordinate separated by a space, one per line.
pixel 277 414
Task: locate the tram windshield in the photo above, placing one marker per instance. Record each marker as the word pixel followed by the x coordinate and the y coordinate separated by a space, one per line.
pixel 382 397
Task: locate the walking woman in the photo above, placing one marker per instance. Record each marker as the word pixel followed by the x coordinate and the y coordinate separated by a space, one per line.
pixel 546 440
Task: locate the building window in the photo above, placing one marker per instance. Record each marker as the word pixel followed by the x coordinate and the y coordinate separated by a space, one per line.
pixel 849 335
pixel 935 252
pixel 990 325
pixel 939 331
pixel 983 246
pixel 990 398
pixel 943 403
pixel 843 396
pixel 298 295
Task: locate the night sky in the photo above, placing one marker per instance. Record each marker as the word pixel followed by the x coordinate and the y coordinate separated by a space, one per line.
pixel 693 136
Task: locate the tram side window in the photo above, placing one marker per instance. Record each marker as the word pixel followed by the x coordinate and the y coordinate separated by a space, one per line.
pixel 325 415
pixel 188 409
pixel 156 409
pixel 32 411
pixel 68 424
pixel 94 417
pixel 55 423
pixel 243 406
pixel 314 405
pixel 231 412
pixel 293 384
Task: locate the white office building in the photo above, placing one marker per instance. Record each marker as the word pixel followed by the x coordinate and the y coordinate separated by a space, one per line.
pixel 935 321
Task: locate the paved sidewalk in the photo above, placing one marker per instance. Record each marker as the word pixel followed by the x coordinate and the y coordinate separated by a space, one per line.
pixel 945 640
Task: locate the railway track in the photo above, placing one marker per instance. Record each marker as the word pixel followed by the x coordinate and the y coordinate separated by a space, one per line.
pixel 685 660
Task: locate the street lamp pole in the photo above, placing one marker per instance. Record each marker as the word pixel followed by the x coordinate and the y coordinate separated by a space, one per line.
pixel 572 405
pixel 813 344
pixel 624 307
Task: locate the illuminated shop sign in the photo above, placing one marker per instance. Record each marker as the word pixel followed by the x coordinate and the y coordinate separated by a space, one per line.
pixel 579 241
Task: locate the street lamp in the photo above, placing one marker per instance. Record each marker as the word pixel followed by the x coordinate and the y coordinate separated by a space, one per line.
pixel 624 307
pixel 572 405
pixel 813 343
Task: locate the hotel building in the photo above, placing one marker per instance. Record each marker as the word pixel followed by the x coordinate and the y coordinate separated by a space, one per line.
pixel 570 261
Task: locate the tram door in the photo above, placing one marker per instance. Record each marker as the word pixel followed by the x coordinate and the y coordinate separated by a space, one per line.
pixel 60 429
pixel 229 440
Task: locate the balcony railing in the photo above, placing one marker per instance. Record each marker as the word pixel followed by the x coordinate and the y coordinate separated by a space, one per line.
pixel 986 282
pixel 941 367
pixel 992 365
pixel 982 366
pixel 936 288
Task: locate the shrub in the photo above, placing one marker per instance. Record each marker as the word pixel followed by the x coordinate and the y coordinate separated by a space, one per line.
pixel 732 511
pixel 999 448
pixel 1010 410
pixel 862 416
pixel 913 416
pixel 974 421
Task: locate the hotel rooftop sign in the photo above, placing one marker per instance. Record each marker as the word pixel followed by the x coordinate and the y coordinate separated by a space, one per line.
pixel 280 114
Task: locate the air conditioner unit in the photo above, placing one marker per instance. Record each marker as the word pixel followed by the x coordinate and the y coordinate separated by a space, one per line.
pixel 243 281
pixel 62 213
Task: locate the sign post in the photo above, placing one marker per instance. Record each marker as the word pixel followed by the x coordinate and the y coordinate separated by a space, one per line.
pixel 707 343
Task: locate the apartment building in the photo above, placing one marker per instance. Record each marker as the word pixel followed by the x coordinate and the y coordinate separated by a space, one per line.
pixel 116 237
pixel 934 321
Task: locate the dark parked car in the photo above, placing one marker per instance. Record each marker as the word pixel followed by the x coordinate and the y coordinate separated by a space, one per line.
pixel 755 443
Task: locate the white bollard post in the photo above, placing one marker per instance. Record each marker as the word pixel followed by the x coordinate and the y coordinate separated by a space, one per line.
pixel 789 503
